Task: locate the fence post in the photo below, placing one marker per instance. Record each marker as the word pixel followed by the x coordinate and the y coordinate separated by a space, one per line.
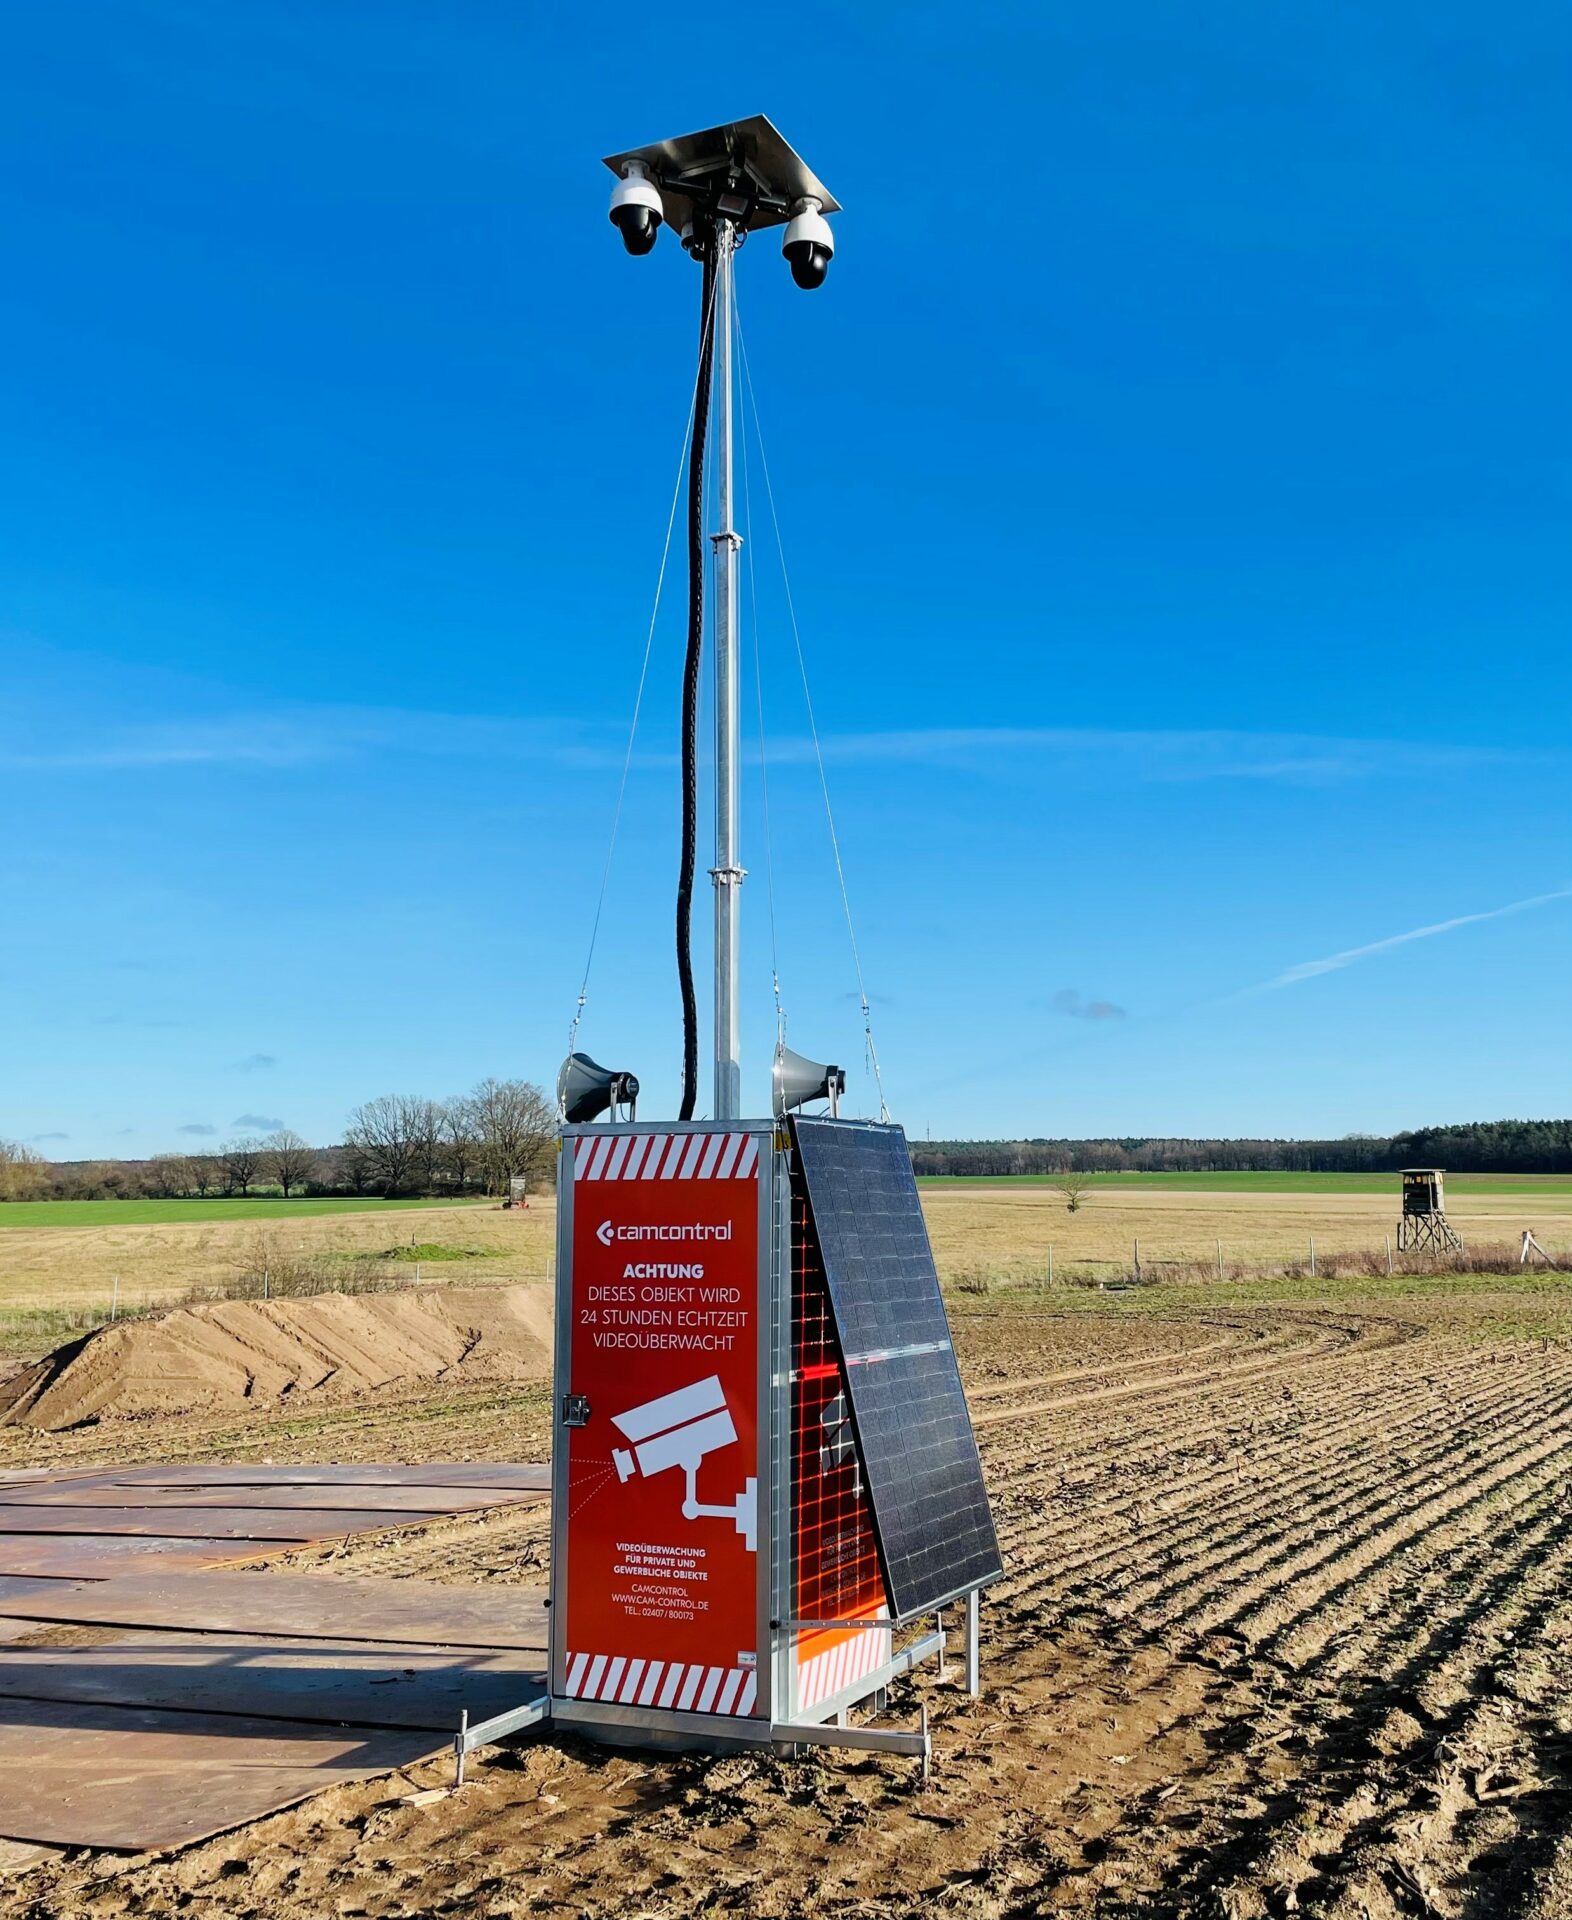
pixel 267 1284
pixel 1138 1262
pixel 1389 1253
pixel 1050 1263
pixel 1312 1256
pixel 1219 1259
pixel 114 1300
pixel 417 1273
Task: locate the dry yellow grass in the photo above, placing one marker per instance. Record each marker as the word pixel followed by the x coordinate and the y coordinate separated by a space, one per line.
pixel 1007 1231
pixel 52 1267
pixel 1003 1231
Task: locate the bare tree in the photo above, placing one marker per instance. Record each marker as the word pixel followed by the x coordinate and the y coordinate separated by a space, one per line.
pixel 459 1133
pixel 354 1165
pixel 384 1131
pixel 288 1159
pixel 240 1160
pixel 23 1173
pixel 168 1176
pixel 202 1173
pixel 1074 1186
pixel 428 1122
pixel 515 1128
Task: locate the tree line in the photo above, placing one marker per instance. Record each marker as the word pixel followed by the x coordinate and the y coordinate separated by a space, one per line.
pixel 395 1146
pixel 1479 1146
pixel 502 1130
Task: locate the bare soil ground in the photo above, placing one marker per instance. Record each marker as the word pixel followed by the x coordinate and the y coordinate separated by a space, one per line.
pixel 1286 1630
pixel 234 1355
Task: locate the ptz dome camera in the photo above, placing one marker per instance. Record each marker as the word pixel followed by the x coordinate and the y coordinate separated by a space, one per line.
pixel 636 210
pixel 809 244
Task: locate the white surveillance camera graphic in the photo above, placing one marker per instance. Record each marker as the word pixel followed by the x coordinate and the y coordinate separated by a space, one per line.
pixel 677 1430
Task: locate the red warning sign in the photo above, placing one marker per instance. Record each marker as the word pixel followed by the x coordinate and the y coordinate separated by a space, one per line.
pixel 663 1495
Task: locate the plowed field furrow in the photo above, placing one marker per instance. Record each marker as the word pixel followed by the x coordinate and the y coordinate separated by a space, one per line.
pixel 1178 1361
pixel 1363 1506
pixel 1170 1388
pixel 1079 1429
pixel 1252 1458
pixel 1233 1344
pixel 995 1389
pixel 1253 1608
pixel 1416 1592
pixel 1364 1840
pixel 1506 1735
pixel 1127 1533
pixel 1280 1468
pixel 1416 1580
pixel 1316 1575
pixel 1143 1402
pixel 1179 1445
pixel 1315 1425
pixel 1372 1490
pixel 1250 1733
pixel 1066 1444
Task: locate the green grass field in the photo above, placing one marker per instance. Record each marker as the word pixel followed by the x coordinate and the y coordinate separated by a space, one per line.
pixel 163 1213
pixel 1548 1186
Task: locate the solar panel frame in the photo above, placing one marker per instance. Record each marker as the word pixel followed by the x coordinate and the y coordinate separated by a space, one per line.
pixel 913 1430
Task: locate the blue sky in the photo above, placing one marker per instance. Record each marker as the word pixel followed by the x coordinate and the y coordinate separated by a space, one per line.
pixel 1174 480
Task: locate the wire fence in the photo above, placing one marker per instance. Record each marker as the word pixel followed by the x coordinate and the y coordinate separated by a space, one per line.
pixel 35 1327
pixel 1144 1266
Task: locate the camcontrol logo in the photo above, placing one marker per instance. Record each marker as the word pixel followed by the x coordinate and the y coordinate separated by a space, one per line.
pixel 606 1233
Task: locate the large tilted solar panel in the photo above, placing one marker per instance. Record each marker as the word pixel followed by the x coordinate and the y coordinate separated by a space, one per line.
pixel 913 1431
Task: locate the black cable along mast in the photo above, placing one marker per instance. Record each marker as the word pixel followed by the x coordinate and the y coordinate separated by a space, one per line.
pixel 714 188
pixel 763 1464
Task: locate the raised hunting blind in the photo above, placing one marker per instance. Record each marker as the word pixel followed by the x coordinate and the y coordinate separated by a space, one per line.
pixel 1423 1226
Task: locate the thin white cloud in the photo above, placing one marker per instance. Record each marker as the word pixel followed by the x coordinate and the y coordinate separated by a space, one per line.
pixel 1146 755
pixel 288 738
pixel 305 737
pixel 1350 956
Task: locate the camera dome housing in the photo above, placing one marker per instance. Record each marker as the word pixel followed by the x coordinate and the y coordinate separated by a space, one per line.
pixel 808 244
pixel 636 208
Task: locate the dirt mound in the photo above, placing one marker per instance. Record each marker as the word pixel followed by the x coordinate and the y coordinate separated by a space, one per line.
pixel 213 1359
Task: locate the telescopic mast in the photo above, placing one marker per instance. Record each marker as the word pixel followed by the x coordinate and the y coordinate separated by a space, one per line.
pixel 727 873
pixel 715 188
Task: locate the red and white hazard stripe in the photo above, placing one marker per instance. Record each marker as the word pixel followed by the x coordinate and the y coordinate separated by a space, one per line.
pixel 679 1686
pixel 666 1156
pixel 823 1675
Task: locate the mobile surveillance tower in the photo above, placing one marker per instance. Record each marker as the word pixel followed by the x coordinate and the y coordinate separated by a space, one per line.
pixel 765 1480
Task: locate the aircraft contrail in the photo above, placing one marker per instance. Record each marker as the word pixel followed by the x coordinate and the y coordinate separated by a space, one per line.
pixel 1309 969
